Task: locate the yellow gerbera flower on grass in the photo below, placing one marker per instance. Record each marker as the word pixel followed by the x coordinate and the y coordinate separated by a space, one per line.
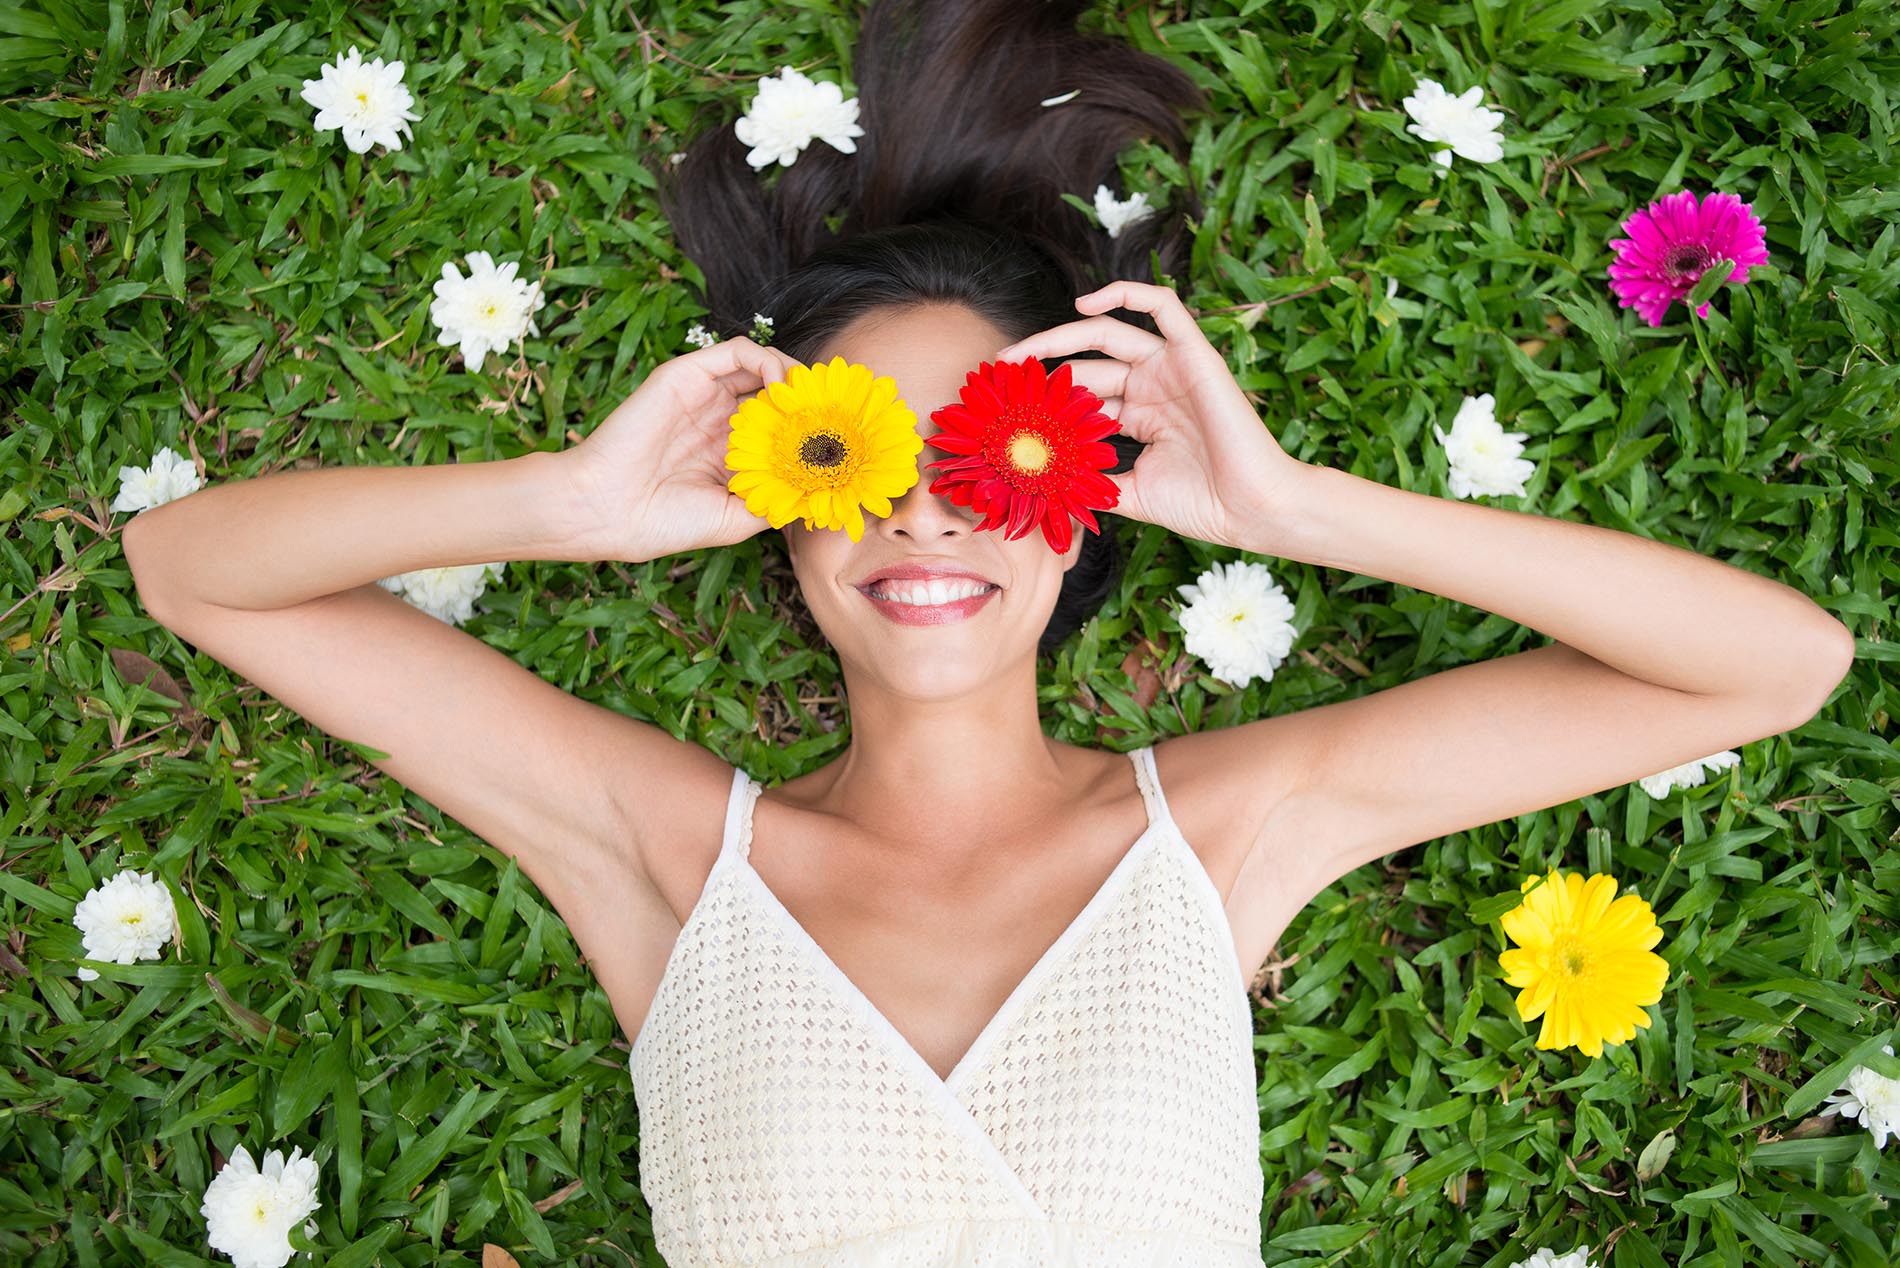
pixel 1583 960
pixel 829 443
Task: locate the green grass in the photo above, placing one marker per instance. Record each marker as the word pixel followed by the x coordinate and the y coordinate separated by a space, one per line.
pixel 184 261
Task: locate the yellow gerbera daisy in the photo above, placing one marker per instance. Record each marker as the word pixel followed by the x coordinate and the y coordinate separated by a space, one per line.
pixel 829 443
pixel 1583 960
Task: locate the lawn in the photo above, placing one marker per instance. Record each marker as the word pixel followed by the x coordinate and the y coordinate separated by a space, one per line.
pixel 186 262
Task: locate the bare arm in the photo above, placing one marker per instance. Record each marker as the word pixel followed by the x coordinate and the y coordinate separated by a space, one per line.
pixel 1662 656
pixel 274 578
pixel 1653 612
pixel 279 540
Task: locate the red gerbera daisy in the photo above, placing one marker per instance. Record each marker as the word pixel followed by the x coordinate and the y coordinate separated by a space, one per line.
pixel 1027 449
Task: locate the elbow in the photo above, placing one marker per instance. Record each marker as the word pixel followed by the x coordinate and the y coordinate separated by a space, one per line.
pixel 1837 654
pixel 1825 667
pixel 141 563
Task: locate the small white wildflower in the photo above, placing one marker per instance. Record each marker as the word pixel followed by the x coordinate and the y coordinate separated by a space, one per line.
pixel 676 159
pixel 1546 1258
pixel 365 99
pixel 1238 620
pixel 249 1213
pixel 1391 287
pixel 1871 1098
pixel 1460 122
pixel 448 594
pixel 130 917
pixel 1483 456
pixel 762 328
pixel 1687 775
pixel 791 112
pixel 700 337
pixel 1067 96
pixel 485 311
pixel 171 476
pixel 1116 216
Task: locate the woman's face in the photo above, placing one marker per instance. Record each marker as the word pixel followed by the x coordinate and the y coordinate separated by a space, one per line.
pixel 928 350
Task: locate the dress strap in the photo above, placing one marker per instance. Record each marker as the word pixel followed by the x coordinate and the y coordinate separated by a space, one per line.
pixel 1149 780
pixel 738 831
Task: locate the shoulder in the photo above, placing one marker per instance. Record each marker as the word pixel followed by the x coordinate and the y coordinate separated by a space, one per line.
pixel 1220 791
pixel 1229 773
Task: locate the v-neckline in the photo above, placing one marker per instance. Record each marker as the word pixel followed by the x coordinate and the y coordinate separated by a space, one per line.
pixel 1012 1003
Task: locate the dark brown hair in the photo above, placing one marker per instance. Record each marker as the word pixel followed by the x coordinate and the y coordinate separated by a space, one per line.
pixel 954 194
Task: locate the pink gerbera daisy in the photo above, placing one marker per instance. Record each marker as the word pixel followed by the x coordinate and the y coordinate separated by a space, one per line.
pixel 1673 240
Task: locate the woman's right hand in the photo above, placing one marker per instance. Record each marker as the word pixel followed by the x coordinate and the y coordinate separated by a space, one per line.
pixel 653 474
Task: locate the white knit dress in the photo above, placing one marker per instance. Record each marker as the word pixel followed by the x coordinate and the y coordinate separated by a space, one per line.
pixel 1105 1117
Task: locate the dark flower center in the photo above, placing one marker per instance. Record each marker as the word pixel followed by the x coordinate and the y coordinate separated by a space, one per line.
pixel 1682 261
pixel 821 450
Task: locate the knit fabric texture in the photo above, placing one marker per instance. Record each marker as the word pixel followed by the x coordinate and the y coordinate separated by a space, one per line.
pixel 1105 1116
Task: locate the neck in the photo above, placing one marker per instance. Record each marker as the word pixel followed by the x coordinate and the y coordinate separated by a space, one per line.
pixel 945 777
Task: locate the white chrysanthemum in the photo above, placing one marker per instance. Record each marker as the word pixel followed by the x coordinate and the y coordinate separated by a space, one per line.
pixel 365 99
pixel 791 112
pixel 448 594
pixel 249 1213
pixel 1116 216
pixel 1870 1098
pixel 1547 1258
pixel 1689 774
pixel 1238 620
pixel 171 475
pixel 1483 456
pixel 700 337
pixel 130 917
pixel 1460 122
pixel 485 311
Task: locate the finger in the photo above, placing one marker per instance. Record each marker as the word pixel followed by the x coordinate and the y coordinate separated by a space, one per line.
pixel 1104 334
pixel 740 383
pixel 1159 302
pixel 1104 377
pixel 1128 497
pixel 739 353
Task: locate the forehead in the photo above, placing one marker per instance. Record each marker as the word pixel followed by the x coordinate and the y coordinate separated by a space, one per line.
pixel 927 349
pixel 923 336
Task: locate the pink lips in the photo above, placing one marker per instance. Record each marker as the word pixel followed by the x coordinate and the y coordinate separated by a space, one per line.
pixel 930 614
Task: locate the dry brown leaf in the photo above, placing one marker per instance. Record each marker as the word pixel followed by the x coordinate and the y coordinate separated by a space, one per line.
pixel 136 668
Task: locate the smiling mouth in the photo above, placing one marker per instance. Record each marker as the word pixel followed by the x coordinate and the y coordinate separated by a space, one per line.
pixel 916 597
pixel 949 611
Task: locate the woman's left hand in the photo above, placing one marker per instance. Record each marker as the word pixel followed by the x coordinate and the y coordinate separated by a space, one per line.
pixel 1212 470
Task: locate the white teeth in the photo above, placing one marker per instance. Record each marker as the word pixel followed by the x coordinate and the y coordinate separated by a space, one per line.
pixel 928 593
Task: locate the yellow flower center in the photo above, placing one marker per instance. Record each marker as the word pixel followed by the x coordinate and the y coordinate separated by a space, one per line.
pixel 823 451
pixel 1567 958
pixel 1028 452
pixel 362 98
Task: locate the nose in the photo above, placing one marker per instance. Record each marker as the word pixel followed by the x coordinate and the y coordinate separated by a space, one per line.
pixel 921 514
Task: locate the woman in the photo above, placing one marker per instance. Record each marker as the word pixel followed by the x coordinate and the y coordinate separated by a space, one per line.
pixel 965 995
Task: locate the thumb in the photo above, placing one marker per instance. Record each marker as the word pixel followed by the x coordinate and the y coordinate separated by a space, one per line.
pixel 1128 496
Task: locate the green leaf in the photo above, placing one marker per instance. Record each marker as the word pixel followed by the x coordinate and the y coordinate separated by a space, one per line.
pixel 1710 282
pixel 1655 1155
pixel 1316 258
pixel 1323 1237
pixel 416 1162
